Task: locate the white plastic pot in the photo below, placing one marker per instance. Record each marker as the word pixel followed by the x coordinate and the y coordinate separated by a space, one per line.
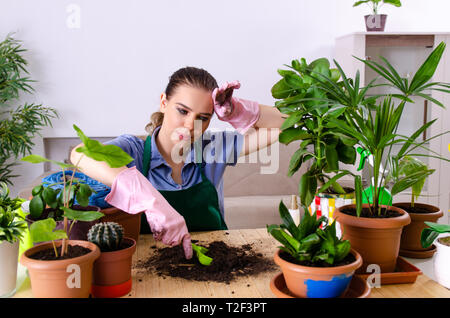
pixel 442 264
pixel 9 253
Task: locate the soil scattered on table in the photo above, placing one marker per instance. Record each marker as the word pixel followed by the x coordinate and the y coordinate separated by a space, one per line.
pixel 228 263
pixel 49 254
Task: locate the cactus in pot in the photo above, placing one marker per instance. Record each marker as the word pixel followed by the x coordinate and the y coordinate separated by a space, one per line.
pixel 106 235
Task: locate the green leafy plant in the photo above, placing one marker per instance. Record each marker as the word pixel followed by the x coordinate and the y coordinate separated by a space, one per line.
pixel 106 235
pixel 12 225
pixel 200 252
pixel 410 167
pixel 20 125
pixel 376 4
pixel 307 241
pixel 44 230
pixel 375 124
pixel 309 111
pixel 431 233
pixel 113 155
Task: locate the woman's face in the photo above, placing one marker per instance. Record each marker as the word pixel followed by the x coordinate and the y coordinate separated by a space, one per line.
pixel 187 109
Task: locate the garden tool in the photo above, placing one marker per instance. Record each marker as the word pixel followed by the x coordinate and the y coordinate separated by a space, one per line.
pixel 385 197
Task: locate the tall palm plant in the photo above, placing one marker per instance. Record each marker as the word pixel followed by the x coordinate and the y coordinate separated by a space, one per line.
pixel 18 126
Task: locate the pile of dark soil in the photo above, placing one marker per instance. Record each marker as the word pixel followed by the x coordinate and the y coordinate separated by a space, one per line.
pixel 228 263
pixel 49 254
pixel 366 213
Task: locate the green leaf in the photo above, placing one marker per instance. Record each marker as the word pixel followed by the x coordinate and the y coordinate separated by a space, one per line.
pixel 357 3
pixel 43 230
pixel 200 252
pixel 288 221
pixel 358 194
pixel 342 250
pixel 291 134
pixel 281 89
pixel 83 194
pixel 309 242
pixel 49 196
pixel 346 154
pixel 37 206
pixel 331 156
pixel 86 216
pixel 37 190
pixel 292 120
pixel 113 155
pixel 307 188
pixel 40 159
pixel 294 81
pixel 427 69
pixel 406 182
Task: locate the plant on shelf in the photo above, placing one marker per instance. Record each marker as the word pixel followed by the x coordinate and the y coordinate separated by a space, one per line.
pixel 18 126
pixel 376 21
pixel 374 120
pixel 428 236
pixel 308 247
pixel 376 4
pixel 112 270
pixel 321 147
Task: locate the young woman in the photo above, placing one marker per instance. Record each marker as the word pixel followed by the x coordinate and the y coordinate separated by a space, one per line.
pixel 175 178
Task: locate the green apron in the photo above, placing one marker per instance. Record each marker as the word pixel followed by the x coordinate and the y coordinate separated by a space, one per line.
pixel 199 204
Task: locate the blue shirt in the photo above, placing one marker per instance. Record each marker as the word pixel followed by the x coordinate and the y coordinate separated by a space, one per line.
pixel 220 149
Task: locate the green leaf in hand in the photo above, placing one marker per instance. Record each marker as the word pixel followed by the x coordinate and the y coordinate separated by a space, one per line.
pixel 200 252
pixel 43 230
pixel 40 159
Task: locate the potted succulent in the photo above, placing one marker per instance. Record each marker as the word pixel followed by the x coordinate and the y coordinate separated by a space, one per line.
pixel 442 257
pixel 322 148
pixel 314 261
pixel 112 270
pixel 376 21
pixel 375 229
pixel 12 228
pixel 59 203
pixel 410 244
pixel 70 262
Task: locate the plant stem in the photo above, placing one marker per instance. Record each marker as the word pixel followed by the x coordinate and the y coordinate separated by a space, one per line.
pixel 71 225
pixel 54 247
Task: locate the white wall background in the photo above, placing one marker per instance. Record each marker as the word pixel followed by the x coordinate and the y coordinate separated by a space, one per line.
pixel 106 70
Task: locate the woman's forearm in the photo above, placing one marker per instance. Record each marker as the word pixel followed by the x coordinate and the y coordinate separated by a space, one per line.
pixel 270 117
pixel 97 170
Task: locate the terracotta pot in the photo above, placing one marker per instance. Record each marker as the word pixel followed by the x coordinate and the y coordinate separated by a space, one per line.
pixel 411 233
pixel 441 262
pixel 317 282
pixel 67 278
pixel 376 239
pixel 375 22
pixel 131 223
pixel 79 230
pixel 113 269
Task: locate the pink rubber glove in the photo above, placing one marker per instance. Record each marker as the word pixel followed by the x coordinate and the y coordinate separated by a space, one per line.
pixel 133 193
pixel 240 113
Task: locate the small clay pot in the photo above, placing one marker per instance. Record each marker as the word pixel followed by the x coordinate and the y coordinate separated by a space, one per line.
pixel 377 239
pixel 60 278
pixel 410 239
pixel 131 223
pixel 317 282
pixel 375 22
pixel 113 269
pixel 80 228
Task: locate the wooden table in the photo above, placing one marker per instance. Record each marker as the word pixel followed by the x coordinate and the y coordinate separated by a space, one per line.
pixel 148 285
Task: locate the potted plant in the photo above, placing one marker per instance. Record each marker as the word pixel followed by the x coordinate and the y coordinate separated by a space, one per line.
pixel 322 148
pixel 314 261
pixel 69 263
pixel 410 244
pixel 18 126
pixel 112 270
pixel 12 228
pixel 374 229
pixel 59 203
pixel 442 257
pixel 376 21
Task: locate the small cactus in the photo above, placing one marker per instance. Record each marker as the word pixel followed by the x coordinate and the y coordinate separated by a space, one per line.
pixel 107 235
